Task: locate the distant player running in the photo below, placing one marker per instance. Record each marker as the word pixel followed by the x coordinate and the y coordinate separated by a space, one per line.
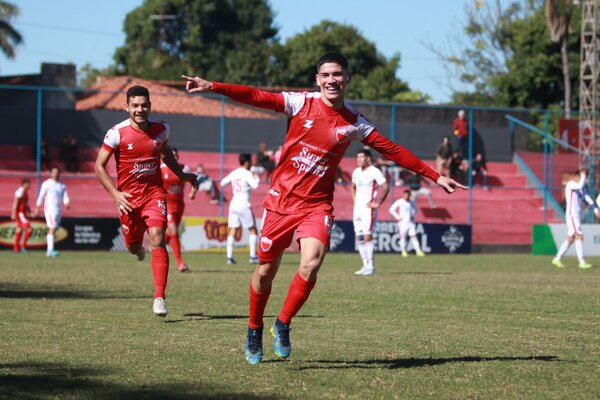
pixel 137 144
pixel 53 194
pixel 240 208
pixel 20 213
pixel 175 207
pixel 369 190
pixel 404 210
pixel 573 198
pixel 320 128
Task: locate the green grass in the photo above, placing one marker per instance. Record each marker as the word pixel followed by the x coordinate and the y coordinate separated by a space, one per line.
pixel 482 326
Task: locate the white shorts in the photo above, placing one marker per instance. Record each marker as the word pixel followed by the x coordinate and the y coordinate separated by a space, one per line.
pixel 407 227
pixel 206 186
pixel 364 221
pixel 242 216
pixel 573 225
pixel 53 220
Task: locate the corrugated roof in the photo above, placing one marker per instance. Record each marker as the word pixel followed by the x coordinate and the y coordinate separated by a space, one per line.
pixel 109 94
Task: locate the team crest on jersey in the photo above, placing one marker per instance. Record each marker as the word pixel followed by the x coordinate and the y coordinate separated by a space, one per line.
pixel 265 243
pixel 125 229
pixel 345 133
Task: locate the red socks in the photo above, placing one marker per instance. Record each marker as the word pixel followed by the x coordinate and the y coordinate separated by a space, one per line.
pixel 176 247
pixel 258 302
pixel 26 237
pixel 16 245
pixel 297 295
pixel 160 270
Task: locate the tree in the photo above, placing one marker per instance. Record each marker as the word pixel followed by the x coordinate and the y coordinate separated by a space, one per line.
pixel 558 20
pixel 225 40
pixel 9 37
pixel 374 76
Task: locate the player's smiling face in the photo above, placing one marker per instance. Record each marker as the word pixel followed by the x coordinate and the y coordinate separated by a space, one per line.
pixel 332 79
pixel 139 109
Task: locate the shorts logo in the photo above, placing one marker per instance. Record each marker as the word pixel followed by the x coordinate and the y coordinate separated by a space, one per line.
pixel 125 229
pixel 265 243
pixel 273 192
pixel 130 146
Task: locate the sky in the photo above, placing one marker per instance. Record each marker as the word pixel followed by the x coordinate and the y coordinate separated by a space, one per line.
pixel 81 32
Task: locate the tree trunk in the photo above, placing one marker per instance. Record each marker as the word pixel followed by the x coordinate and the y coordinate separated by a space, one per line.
pixel 566 74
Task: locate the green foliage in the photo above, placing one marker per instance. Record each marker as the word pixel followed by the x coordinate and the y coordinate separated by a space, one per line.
pixel 9 36
pixel 224 40
pixel 510 59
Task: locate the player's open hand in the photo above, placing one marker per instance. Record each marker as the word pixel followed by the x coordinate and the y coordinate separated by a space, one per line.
pixel 197 84
pixel 449 184
pixel 373 204
pixel 123 204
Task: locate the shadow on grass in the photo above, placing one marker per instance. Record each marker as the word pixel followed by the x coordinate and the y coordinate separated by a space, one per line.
pixel 207 317
pixel 24 292
pixel 420 273
pixel 396 363
pixel 29 380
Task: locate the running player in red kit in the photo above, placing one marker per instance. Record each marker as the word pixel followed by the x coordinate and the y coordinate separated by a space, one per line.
pixel 321 126
pixel 20 214
pixel 175 206
pixel 137 145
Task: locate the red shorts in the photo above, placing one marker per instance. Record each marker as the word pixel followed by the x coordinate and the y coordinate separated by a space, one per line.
pixel 175 211
pixel 22 221
pixel 151 214
pixel 278 231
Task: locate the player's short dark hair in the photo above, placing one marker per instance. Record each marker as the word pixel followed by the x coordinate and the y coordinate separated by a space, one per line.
pixel 333 57
pixel 406 191
pixel 55 167
pixel 245 157
pixel 137 90
pixel 366 152
pixel 25 180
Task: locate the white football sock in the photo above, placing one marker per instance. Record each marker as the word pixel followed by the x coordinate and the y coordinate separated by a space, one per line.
pixel 230 246
pixel 369 250
pixel 563 249
pixel 50 241
pixel 415 243
pixel 252 241
pixel 579 250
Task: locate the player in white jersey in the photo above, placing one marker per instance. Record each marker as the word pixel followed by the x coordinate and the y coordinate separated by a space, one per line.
pixel 242 180
pixel 404 210
pixel 369 189
pixel 53 194
pixel 573 197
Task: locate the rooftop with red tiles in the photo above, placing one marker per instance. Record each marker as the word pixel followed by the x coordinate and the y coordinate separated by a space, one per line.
pixel 109 94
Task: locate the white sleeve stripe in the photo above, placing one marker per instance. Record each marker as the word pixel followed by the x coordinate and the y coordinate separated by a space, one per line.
pixel 293 103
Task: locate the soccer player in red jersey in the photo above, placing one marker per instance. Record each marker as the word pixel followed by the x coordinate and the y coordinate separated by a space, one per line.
pixel 321 126
pixel 175 207
pixel 20 214
pixel 137 144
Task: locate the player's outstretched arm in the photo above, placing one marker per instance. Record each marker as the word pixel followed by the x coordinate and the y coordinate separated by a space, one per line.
pixel 449 184
pixel 120 198
pixel 197 84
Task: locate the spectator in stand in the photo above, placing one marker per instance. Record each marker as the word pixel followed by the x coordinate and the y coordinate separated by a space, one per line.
pixel 264 159
pixel 460 129
pixel 479 168
pixel 206 184
pixel 458 167
pixel 44 155
pixel 444 157
pixel 70 153
pixel 416 188
pixel 277 155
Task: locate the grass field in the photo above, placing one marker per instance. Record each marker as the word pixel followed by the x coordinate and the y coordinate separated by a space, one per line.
pixel 481 326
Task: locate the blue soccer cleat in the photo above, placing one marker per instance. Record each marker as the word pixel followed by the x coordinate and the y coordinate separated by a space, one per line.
pixel 52 254
pixel 281 332
pixel 253 351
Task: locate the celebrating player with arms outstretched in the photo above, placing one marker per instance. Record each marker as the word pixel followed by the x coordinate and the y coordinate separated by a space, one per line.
pixel 321 126
pixel 137 144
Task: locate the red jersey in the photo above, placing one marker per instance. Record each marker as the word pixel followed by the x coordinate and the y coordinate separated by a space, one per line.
pixel 22 200
pixel 172 184
pixel 316 140
pixel 137 154
pixel 460 127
